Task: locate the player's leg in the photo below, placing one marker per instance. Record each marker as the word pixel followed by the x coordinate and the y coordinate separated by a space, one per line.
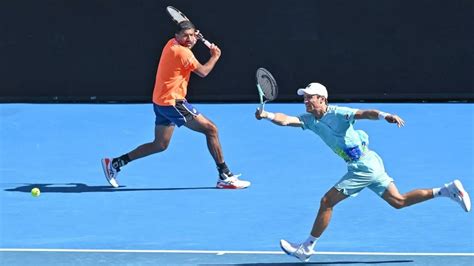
pixel 304 250
pixel 227 179
pixel 329 200
pixel 453 190
pixel 197 122
pixel 398 201
pixel 165 119
pixel 205 126
pixel 383 185
pixel 191 118
pixel 160 143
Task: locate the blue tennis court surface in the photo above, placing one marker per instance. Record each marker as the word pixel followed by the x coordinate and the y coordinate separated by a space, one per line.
pixel 167 210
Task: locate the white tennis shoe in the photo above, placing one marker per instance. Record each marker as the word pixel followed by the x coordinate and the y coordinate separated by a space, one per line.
pixel 298 251
pixel 231 182
pixel 110 172
pixel 459 195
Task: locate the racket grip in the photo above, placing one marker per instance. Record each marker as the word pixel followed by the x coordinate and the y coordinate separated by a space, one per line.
pixel 206 42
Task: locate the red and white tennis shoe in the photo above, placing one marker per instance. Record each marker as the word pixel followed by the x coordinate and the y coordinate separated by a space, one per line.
pixel 298 251
pixel 231 182
pixel 110 172
pixel 459 195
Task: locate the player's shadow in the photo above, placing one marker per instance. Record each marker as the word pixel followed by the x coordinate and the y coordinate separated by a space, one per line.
pixel 348 262
pixel 84 188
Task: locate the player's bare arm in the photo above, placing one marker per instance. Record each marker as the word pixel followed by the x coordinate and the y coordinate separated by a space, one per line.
pixel 280 119
pixel 376 114
pixel 204 70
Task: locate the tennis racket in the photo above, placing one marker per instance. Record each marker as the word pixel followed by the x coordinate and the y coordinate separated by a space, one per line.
pixel 177 16
pixel 266 86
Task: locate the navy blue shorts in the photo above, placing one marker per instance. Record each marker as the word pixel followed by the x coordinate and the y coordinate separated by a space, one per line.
pixel 178 115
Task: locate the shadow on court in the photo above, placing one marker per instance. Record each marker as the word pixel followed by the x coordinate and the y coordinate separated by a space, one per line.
pixel 329 263
pixel 84 188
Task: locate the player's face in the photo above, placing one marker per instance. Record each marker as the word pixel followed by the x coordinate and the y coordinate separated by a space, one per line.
pixel 186 38
pixel 314 102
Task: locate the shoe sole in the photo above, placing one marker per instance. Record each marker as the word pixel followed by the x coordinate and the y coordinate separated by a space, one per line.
pixel 466 200
pixel 104 167
pixel 231 187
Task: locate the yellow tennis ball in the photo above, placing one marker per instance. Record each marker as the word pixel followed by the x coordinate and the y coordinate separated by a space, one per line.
pixel 35 192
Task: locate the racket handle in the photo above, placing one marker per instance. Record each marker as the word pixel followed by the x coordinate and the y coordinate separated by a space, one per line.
pixel 261 107
pixel 206 42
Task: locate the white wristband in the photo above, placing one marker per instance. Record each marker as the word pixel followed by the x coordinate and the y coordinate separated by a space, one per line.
pixel 382 115
pixel 270 116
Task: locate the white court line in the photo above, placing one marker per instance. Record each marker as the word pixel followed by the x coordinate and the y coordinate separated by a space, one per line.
pixel 222 252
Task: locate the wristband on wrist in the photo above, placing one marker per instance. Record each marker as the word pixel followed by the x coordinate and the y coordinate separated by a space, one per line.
pixel 270 116
pixel 382 115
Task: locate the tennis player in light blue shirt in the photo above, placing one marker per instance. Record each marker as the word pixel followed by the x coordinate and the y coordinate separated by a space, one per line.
pixel 365 169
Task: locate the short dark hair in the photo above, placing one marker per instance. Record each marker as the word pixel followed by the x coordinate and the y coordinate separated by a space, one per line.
pixel 184 25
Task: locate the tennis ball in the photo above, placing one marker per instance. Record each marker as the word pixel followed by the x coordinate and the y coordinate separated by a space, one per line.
pixel 35 192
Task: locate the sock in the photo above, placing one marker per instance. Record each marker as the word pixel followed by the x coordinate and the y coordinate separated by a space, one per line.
pixel 120 161
pixel 440 192
pixel 222 168
pixel 310 242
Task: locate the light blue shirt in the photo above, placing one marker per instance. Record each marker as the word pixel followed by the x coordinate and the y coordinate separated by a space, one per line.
pixel 336 129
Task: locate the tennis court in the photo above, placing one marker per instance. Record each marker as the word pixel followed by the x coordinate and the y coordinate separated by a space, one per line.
pixel 167 210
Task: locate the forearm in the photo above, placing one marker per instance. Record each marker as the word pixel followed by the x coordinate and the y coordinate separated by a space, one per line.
pixel 277 118
pixel 281 119
pixel 207 67
pixel 371 114
pixel 379 115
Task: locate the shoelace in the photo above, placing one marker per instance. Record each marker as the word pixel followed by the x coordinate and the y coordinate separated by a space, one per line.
pixel 231 179
pixel 301 251
pixel 301 254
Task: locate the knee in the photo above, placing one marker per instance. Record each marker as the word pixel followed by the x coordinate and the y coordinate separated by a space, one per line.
pixel 398 203
pixel 159 146
pixel 326 202
pixel 211 129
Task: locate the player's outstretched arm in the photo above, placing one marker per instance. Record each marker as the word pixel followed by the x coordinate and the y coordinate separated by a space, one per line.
pixel 280 119
pixel 376 114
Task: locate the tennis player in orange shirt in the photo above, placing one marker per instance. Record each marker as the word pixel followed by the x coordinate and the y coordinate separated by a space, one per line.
pixel 171 108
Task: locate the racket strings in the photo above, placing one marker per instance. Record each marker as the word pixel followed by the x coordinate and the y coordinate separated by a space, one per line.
pixel 268 86
pixel 176 15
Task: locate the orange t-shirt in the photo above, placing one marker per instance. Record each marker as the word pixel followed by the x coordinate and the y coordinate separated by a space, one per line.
pixel 172 77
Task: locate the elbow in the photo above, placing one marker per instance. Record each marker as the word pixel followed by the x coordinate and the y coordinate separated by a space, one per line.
pixel 201 73
pixel 285 123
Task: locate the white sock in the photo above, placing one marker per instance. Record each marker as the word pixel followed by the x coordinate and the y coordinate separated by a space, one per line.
pixel 311 242
pixel 440 192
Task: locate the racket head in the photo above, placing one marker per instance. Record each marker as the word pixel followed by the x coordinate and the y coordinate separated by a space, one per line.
pixel 266 85
pixel 176 15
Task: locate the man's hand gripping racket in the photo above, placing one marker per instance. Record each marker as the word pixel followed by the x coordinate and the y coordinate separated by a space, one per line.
pixel 267 90
pixel 177 16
